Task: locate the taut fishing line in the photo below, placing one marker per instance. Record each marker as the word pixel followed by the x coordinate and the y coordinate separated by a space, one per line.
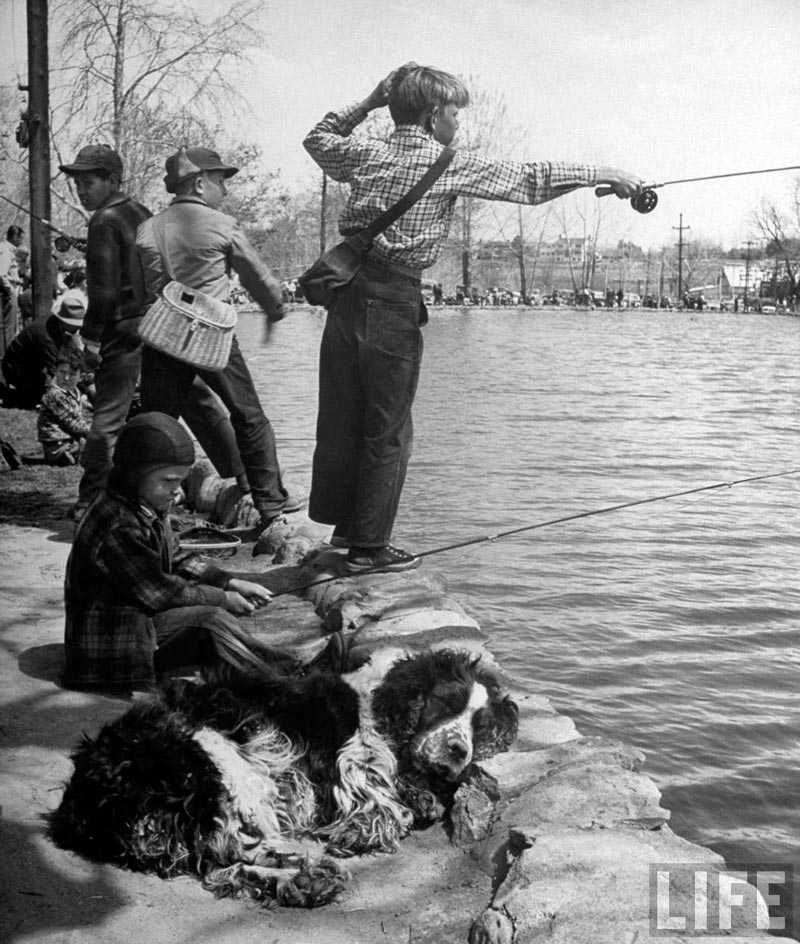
pixel 589 513
pixel 646 199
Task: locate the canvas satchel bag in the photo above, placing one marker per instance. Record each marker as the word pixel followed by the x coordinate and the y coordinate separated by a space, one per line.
pixel 336 267
pixel 188 325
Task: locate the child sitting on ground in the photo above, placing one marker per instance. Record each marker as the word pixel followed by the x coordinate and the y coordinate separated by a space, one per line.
pixel 62 425
pixel 136 606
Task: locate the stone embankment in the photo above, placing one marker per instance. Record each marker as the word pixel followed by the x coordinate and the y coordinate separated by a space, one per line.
pixel 553 841
pixel 567 829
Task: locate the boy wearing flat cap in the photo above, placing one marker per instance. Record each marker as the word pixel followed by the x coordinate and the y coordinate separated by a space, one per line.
pixel 202 246
pixel 109 350
pixel 136 606
pixel 112 346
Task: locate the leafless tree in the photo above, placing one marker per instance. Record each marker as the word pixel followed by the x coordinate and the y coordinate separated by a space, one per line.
pixel 781 229
pixel 146 77
pixel 486 128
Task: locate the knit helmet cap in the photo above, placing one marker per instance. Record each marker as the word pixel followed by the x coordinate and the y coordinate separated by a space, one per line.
pixel 152 441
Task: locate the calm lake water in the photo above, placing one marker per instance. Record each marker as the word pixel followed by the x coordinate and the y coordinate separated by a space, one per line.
pixel 675 625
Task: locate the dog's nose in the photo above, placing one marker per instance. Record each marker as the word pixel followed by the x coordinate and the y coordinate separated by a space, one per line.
pixel 458 750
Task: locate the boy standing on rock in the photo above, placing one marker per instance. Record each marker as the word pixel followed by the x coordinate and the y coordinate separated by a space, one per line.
pixel 372 344
pixel 203 245
pixel 112 348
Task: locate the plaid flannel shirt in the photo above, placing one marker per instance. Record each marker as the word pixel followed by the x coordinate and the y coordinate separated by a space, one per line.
pixel 123 569
pixel 61 416
pixel 379 173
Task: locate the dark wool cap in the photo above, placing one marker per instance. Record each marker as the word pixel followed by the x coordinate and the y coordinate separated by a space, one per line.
pixel 151 441
pixel 95 157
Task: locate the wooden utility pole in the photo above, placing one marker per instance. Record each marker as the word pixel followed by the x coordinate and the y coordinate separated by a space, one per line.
pixel 42 274
pixel 680 228
pixel 749 243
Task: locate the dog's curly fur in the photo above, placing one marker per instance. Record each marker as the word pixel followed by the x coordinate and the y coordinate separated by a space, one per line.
pixel 226 776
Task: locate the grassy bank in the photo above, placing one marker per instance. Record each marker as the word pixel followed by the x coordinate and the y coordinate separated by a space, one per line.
pixel 36 493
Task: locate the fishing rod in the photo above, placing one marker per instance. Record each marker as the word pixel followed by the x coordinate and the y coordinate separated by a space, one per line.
pixel 593 512
pixel 64 240
pixel 645 199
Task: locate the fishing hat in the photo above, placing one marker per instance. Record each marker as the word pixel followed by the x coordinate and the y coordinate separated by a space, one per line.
pixel 72 308
pixel 152 441
pixel 190 161
pixel 95 157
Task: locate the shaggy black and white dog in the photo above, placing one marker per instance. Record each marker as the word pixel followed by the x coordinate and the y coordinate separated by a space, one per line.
pixel 241 778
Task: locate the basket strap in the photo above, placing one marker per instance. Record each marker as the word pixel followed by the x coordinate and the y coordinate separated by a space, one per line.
pixel 161 244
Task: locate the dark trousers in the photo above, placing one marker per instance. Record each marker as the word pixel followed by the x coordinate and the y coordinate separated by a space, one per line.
pixel 166 384
pixel 115 382
pixel 207 635
pixel 368 372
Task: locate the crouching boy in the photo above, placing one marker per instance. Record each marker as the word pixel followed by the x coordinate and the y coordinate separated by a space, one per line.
pixel 62 426
pixel 135 606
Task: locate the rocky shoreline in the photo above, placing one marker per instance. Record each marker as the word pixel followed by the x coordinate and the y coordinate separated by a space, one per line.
pixel 556 840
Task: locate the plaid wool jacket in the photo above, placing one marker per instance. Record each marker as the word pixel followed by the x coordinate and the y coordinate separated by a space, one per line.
pixel 379 173
pixel 123 569
pixel 61 416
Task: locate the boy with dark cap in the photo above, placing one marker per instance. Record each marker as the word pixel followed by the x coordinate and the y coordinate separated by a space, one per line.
pixel 136 606
pixel 203 246
pixel 112 347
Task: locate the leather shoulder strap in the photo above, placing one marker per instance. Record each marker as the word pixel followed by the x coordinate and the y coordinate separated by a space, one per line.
pixel 161 245
pixel 433 173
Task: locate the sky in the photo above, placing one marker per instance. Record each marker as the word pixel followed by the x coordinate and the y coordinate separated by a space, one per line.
pixel 666 89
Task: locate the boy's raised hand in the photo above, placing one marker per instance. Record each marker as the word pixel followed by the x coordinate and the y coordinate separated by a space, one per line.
pixel 379 96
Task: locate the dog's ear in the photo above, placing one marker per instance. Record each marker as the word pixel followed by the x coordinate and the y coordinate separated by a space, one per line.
pixel 495 728
pixel 493 681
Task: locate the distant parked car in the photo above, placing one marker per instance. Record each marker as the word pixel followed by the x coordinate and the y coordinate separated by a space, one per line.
pixel 631 300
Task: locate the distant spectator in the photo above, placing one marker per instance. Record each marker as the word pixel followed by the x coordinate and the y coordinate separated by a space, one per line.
pixel 62 425
pixel 10 286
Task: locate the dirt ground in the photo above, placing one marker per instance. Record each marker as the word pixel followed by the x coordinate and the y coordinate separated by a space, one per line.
pixel 430 891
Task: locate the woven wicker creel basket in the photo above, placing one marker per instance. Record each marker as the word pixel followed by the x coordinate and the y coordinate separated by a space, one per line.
pixel 190 326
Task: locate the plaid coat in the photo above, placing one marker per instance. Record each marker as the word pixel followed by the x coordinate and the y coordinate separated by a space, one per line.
pixel 123 569
pixel 61 416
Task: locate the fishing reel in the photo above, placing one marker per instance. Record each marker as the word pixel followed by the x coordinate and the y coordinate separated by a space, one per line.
pixel 64 243
pixel 645 200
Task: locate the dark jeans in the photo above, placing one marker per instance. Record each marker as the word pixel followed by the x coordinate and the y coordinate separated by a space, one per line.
pixel 369 367
pixel 115 381
pixel 166 383
pixel 210 424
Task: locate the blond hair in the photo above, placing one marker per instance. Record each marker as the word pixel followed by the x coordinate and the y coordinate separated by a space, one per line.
pixel 416 90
